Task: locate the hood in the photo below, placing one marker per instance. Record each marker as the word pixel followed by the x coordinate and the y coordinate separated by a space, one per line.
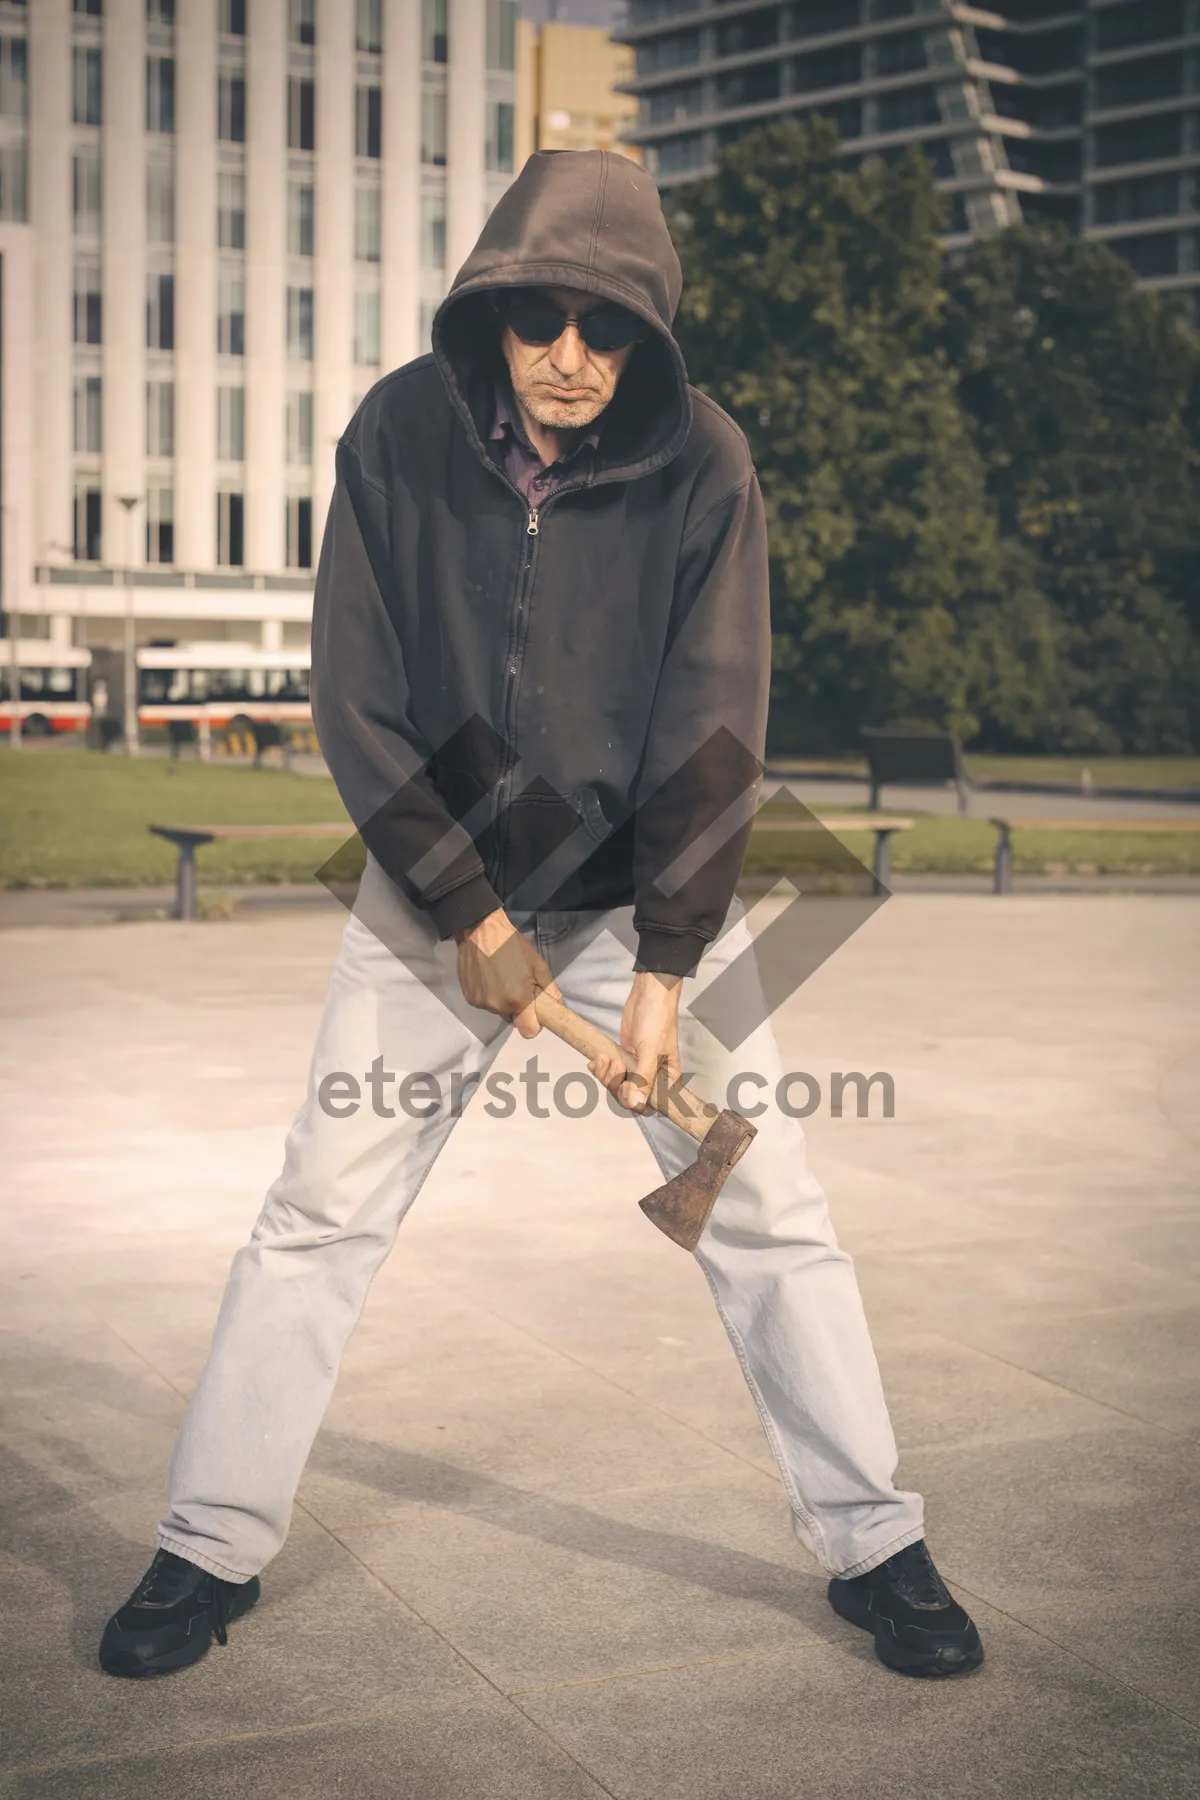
pixel 584 219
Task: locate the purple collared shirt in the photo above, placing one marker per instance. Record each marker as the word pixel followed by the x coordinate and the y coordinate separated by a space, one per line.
pixel 522 464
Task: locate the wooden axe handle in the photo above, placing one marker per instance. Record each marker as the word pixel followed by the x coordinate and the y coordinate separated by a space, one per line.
pixel 591 1041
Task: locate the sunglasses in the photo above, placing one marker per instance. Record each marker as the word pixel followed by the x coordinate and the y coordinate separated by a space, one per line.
pixel 539 321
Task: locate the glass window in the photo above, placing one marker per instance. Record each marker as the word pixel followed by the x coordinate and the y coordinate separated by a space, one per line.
pixel 160 311
pixel 85 169
pixel 90 9
pixel 233 18
pixel 500 135
pixel 231 209
pixel 88 306
pixel 301 114
pixel 300 426
pixel 366 326
pixel 160 201
pixel 14 78
pixel 300 218
pixel 433 231
pixel 89 439
pixel 231 314
pixel 300 323
pixel 501 33
pixel 86 84
pixel 231 107
pixel 231 424
pixel 230 518
pixel 160 524
pixel 160 418
pixel 368 26
pixel 14 182
pixel 87 523
pixel 367 225
pixel 160 93
pixel 368 121
pixel 433 128
pixel 299 531
pixel 160 12
pixel 433 30
pixel 302 21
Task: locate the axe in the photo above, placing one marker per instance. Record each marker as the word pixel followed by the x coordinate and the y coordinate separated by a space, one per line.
pixel 681 1207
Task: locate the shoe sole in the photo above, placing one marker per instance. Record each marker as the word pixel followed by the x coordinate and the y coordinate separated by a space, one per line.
pixel 924 1665
pixel 125 1664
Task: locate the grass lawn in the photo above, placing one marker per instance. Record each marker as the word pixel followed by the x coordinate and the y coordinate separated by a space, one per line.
pixel 1106 771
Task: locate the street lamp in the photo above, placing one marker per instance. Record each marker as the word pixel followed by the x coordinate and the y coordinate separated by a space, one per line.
pixel 132 745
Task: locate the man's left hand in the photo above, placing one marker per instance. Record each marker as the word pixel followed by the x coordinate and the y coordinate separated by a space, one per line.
pixel 650 1035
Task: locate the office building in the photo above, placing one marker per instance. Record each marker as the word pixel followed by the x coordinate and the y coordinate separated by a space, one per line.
pixel 220 222
pixel 569 89
pixel 1088 113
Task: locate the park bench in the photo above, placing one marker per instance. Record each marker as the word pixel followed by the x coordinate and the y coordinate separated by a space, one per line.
pixel 1002 868
pixel 882 827
pixel 914 759
pixel 189 838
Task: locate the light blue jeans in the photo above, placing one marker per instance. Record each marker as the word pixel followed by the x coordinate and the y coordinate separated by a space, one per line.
pixel 784 1290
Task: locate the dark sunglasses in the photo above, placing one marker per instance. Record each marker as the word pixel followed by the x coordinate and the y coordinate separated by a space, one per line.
pixel 540 321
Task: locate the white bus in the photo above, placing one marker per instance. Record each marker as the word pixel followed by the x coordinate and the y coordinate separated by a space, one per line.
pixel 221 683
pixel 53 682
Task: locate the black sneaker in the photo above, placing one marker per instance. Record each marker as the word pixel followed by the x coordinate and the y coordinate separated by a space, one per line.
pixel 172 1617
pixel 919 1628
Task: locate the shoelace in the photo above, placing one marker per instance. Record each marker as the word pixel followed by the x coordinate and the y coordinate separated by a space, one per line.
pixel 164 1582
pixel 915 1568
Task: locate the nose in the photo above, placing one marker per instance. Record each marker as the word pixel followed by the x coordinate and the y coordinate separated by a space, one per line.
pixel 569 354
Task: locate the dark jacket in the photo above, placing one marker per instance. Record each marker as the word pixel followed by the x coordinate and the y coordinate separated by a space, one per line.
pixel 547 709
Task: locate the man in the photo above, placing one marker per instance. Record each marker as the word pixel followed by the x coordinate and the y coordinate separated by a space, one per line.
pixel 541 649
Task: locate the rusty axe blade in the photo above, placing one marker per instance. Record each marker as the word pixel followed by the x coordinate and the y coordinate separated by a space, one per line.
pixel 682 1206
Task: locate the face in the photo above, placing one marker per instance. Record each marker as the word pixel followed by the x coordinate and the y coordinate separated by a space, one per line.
pixel 565 384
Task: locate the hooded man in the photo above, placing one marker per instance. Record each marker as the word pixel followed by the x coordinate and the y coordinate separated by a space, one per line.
pixel 541 654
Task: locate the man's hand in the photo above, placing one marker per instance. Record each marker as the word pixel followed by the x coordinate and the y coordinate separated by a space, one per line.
pixel 500 971
pixel 650 1033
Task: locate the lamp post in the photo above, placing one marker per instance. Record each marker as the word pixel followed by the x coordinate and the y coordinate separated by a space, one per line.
pixel 12 619
pixel 132 743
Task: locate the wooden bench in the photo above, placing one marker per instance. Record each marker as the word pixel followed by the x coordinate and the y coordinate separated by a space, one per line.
pixel 882 827
pixel 188 839
pixel 1002 868
pixel 914 758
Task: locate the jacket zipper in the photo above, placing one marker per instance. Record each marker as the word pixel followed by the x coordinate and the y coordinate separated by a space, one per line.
pixel 524 582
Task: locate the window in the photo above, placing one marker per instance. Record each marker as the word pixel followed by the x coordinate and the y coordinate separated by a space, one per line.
pixel 87 523
pixel 302 21
pixel 300 218
pixel 85 84
pixel 160 311
pixel 231 424
pixel 368 121
pixel 366 223
pixel 231 314
pixel 1141 22
pixel 499 147
pixel 85 171
pixel 160 524
pixel 433 128
pixel 160 93
pixel 90 9
pixel 368 29
pixel 231 107
pixel 160 202
pixel 89 440
pixel 230 515
pixel 299 426
pixel 433 231
pixel 301 114
pixel 433 30
pixel 160 418
pixel 233 18
pixel 366 326
pixel 1139 140
pixel 300 323
pixel 13 182
pixel 160 12
pixel 299 531
pixel 1150 78
pixel 501 34
pixel 909 107
pixel 1145 197
pixel 1157 253
pixel 231 209
pixel 87 308
pixel 900 54
pixel 14 78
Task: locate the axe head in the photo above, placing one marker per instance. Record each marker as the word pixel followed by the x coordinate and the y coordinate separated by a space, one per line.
pixel 681 1207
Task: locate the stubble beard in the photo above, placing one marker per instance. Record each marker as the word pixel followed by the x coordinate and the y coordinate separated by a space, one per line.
pixel 562 415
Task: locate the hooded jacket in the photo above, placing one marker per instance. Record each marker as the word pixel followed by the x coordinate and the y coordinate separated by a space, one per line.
pixel 559 707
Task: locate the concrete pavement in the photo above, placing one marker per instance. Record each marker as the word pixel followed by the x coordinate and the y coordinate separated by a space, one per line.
pixel 541 1551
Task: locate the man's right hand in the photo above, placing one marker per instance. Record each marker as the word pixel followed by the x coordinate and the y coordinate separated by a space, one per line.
pixel 500 971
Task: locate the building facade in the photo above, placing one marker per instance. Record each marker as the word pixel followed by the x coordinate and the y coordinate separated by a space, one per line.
pixel 220 222
pixel 571 89
pixel 1088 113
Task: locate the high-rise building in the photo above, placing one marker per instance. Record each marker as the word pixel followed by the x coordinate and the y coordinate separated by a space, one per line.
pixel 570 89
pixel 1086 112
pixel 220 222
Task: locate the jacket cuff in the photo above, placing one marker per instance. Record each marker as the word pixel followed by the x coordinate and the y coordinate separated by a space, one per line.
pixel 669 952
pixel 463 906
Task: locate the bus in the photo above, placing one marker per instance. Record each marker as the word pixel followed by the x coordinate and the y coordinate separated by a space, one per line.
pixel 213 685
pixel 53 681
